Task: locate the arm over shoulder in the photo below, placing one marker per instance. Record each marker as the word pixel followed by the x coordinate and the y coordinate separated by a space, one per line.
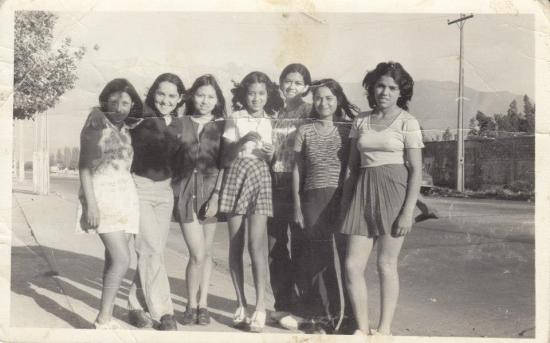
pixel 90 149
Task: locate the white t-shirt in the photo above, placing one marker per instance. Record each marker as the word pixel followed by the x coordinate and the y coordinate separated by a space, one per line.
pixel 385 146
pixel 240 123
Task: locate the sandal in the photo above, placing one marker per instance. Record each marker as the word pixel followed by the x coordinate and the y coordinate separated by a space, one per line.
pixel 257 321
pixel 240 318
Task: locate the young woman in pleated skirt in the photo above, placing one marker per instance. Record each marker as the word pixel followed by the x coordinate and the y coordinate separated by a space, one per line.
pixel 381 191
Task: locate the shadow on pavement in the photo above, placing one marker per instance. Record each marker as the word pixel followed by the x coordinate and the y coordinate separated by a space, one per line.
pixel 81 280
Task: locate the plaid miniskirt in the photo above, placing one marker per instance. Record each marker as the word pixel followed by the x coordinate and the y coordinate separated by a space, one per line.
pixel 246 188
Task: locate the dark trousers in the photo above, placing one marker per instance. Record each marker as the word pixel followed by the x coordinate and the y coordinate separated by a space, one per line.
pixel 282 262
pixel 282 230
pixel 321 265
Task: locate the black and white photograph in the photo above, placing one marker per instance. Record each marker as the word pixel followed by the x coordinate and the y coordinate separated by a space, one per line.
pixel 278 171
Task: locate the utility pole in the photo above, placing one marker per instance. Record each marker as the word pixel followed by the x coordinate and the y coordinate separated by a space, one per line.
pixel 460 134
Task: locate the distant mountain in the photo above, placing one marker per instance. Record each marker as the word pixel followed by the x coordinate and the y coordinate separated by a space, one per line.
pixel 434 104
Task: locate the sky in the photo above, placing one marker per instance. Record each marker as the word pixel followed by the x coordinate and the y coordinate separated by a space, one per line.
pixel 499 51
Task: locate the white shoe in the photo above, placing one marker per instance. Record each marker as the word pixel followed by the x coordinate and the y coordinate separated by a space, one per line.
pixel 257 322
pixel 277 315
pixel 110 325
pixel 240 317
pixel 291 322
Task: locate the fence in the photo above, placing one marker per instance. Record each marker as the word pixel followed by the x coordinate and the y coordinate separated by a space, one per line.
pixel 487 163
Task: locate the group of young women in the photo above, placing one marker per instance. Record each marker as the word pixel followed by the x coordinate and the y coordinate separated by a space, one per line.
pixel 327 179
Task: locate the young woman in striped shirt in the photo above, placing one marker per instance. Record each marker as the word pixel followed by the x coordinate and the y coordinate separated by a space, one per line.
pixel 321 148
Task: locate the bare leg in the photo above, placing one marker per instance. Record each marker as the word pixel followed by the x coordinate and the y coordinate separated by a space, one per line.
pixel 209 232
pixel 257 246
pixel 359 249
pixel 194 238
pixel 117 263
pixel 236 249
pixel 388 253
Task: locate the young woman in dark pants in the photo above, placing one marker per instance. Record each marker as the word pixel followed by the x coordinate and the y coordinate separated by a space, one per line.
pixel 321 148
pixel 281 228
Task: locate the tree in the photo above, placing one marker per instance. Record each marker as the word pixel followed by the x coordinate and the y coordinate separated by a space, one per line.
pixel 67 157
pixel 529 112
pixel 515 122
pixel 482 125
pixel 59 156
pixel 447 135
pixel 42 72
pixel 75 154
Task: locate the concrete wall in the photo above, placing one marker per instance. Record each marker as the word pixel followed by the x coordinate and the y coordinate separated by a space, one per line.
pixel 494 162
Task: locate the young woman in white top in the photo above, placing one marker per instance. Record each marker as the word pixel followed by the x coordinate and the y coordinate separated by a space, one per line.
pixel 381 190
pixel 246 190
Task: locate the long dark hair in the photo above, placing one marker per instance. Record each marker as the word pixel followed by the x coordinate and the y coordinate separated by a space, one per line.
pixel 399 75
pixel 205 80
pixel 169 77
pixel 121 85
pixel 345 109
pixel 274 101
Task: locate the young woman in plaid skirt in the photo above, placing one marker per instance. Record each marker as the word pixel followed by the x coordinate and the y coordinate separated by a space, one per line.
pixel 246 191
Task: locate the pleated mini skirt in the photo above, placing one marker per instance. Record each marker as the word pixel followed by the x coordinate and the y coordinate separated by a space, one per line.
pixel 378 199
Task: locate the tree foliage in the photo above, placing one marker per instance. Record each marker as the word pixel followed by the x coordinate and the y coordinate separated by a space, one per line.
pixel 42 71
pixel 513 123
pixel 482 125
pixel 529 112
pixel 447 135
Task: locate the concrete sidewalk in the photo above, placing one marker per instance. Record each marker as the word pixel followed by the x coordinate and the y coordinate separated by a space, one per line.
pixel 56 273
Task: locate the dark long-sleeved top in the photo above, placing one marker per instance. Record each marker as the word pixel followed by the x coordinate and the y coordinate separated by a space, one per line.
pixel 155 144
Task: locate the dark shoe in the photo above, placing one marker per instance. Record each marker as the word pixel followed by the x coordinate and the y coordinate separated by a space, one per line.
pixel 425 216
pixel 203 317
pixel 167 323
pixel 189 316
pixel 312 328
pixel 139 319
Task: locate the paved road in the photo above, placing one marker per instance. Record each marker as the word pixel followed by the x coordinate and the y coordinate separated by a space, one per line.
pixel 468 273
pixel 503 219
